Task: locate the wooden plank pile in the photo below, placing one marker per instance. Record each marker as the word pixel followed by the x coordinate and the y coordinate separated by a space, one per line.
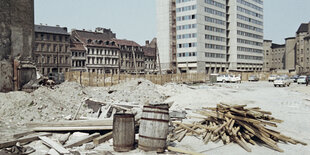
pixel 234 123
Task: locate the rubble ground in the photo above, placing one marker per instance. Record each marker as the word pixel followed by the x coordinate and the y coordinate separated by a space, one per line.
pixel 290 104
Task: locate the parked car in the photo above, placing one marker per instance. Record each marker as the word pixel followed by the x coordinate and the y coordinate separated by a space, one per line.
pixel 302 79
pixel 253 78
pixel 294 78
pixel 282 81
pixel 223 78
pixel 234 78
pixel 271 78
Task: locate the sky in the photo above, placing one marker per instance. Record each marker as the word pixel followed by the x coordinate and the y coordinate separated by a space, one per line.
pixel 136 19
pixel 129 19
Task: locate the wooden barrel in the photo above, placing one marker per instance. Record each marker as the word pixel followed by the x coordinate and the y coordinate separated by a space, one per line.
pixel 153 130
pixel 123 132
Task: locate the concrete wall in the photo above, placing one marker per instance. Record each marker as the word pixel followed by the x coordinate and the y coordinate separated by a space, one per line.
pixel 16 40
pixel 267 55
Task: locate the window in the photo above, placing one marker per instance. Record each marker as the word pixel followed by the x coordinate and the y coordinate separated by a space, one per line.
pixel 217 4
pixel 55 48
pixel 60 48
pixel 187 17
pixel 36 47
pixel 214 20
pixel 42 47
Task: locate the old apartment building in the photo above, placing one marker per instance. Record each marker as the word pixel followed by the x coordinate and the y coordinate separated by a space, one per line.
pixel 52 49
pixel 293 56
pixel 102 53
pixel 131 56
pixel 149 51
pixel 214 35
pixel 274 56
pixel 78 55
pixel 302 48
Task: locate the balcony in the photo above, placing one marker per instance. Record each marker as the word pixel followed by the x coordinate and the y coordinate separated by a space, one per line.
pixel 78 58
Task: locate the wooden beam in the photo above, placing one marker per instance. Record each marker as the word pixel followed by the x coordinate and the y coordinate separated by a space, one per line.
pixel 22 134
pixel 179 150
pixel 53 152
pixel 103 138
pixel 77 111
pixel 59 148
pixel 242 144
pixel 57 129
pixel 82 141
pixel 76 123
pixel 22 140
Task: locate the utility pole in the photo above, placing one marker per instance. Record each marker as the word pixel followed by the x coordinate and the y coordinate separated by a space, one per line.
pixel 155 59
pixel 159 65
pixel 134 59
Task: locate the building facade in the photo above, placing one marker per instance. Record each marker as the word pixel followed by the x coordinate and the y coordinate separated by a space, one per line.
pixel 131 56
pixel 52 49
pixel 166 34
pixel 293 56
pixel 302 48
pixel 78 55
pixel 16 44
pixel 267 56
pixel 274 56
pixel 290 55
pixel 216 35
pixel 149 51
pixel 102 53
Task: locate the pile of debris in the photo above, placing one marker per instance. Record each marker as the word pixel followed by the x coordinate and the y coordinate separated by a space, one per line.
pixel 234 123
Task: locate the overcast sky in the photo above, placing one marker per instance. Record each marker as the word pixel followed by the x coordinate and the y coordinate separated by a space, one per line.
pixel 136 19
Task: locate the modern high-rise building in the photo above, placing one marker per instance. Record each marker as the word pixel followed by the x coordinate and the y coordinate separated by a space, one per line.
pixel 166 34
pixel 213 35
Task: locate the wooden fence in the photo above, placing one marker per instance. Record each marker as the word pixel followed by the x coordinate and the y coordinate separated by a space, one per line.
pixel 102 80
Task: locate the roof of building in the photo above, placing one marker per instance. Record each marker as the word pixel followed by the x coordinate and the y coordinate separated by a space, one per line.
pixel 95 39
pixel 289 38
pixel 149 51
pixel 303 28
pixel 277 45
pixel 83 35
pixel 267 40
pixel 153 42
pixel 77 47
pixel 125 42
pixel 51 29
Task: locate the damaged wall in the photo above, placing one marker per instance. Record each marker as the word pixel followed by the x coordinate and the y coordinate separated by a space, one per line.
pixel 16 42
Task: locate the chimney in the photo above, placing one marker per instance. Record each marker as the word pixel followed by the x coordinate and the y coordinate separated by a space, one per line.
pixel 147 42
pixel 65 28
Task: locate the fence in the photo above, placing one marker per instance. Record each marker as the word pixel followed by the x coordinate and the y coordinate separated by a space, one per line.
pixel 102 80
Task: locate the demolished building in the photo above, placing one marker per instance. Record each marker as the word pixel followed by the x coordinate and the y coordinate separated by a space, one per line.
pixel 16 43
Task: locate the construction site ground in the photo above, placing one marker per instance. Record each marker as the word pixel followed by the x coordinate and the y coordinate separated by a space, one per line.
pixel 290 104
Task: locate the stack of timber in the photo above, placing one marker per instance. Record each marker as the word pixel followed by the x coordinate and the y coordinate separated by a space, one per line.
pixel 234 123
